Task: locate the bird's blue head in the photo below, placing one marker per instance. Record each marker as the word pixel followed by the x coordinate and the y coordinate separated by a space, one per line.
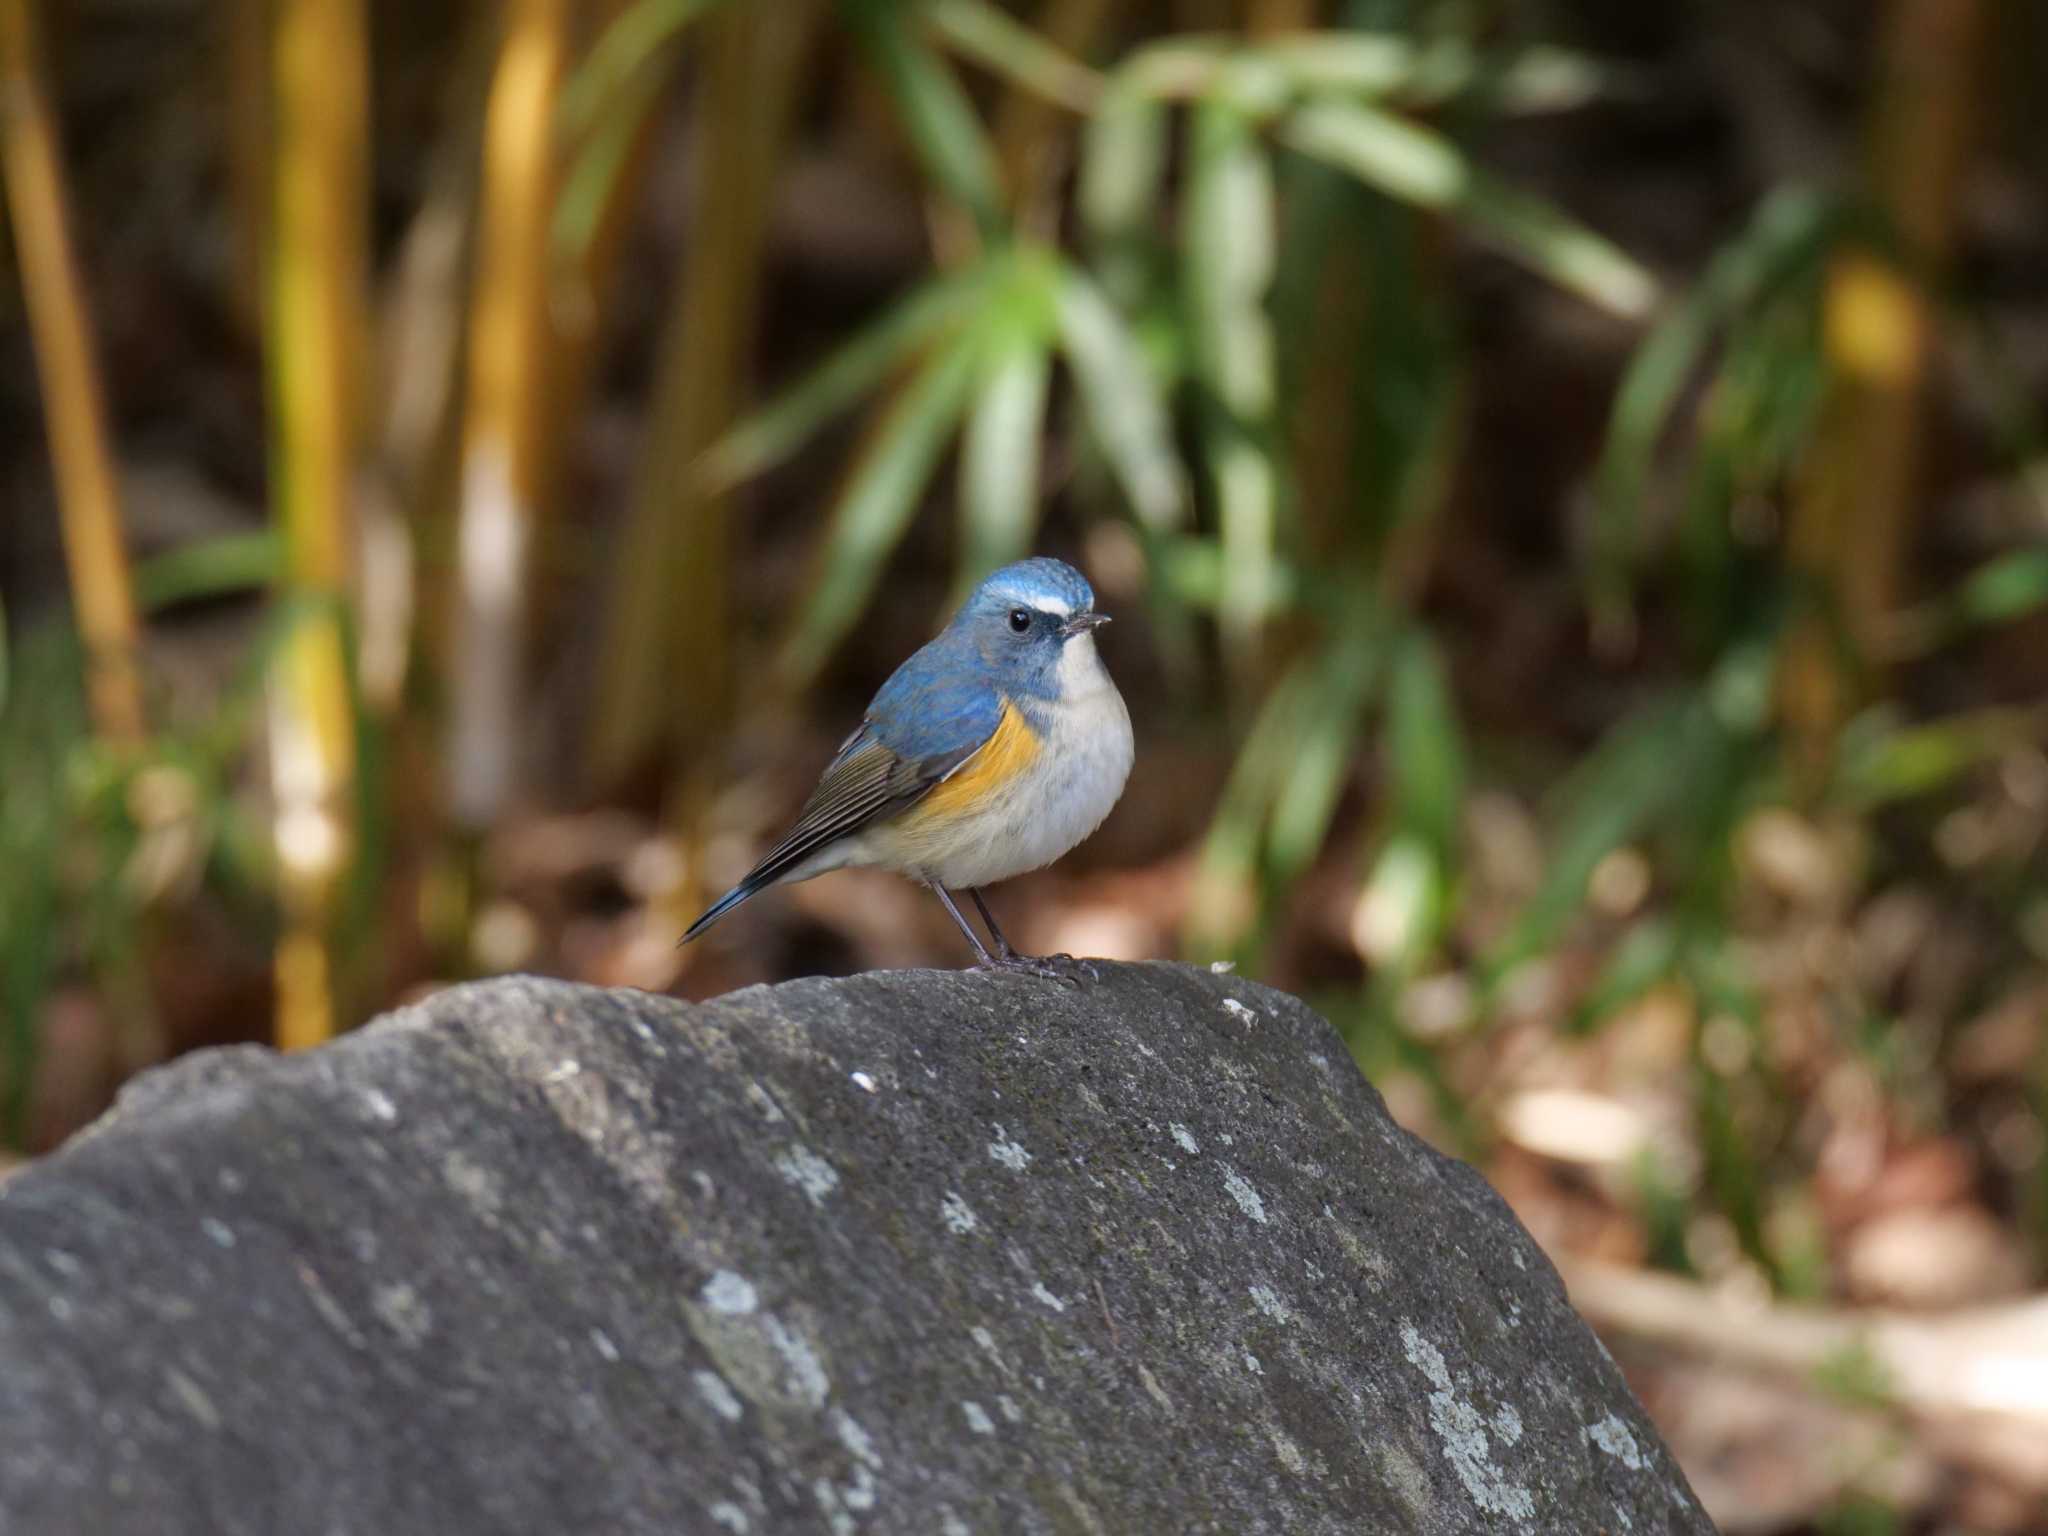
pixel 1020 621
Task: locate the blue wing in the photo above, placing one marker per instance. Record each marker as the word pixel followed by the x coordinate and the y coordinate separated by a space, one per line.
pixel 932 714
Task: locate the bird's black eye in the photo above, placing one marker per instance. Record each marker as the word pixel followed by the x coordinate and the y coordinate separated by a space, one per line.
pixel 1020 619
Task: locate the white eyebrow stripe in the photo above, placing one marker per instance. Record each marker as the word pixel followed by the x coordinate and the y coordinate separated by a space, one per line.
pixel 1051 605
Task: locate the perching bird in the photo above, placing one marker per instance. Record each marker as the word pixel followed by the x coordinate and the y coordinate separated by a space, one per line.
pixel 991 752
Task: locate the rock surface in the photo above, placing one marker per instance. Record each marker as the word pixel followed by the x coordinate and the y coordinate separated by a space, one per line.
pixel 920 1253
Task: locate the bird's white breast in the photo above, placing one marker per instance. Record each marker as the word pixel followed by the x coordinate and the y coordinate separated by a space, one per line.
pixel 1084 757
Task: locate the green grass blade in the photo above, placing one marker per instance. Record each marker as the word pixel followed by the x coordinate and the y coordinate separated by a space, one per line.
pixel 993 38
pixel 1121 401
pixel 935 111
pixel 1415 165
pixel 620 53
pixel 207 568
pixel 775 431
pixel 1000 454
pixel 880 499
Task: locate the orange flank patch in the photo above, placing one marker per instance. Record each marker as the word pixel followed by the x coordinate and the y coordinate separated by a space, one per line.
pixel 1002 759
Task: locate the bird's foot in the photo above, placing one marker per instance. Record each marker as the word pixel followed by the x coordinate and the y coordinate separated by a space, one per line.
pixel 1061 967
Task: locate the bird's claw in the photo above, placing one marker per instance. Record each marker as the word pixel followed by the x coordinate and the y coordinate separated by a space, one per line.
pixel 1060 967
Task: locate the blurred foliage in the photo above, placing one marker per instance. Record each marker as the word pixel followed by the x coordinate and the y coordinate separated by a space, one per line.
pixel 1234 327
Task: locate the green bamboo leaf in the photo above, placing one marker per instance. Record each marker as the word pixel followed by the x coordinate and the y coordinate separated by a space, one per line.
pixel 1122 402
pixel 1321 755
pixel 993 38
pixel 775 431
pixel 1426 747
pixel 936 112
pixel 1645 956
pixel 624 49
pixel 1226 880
pixel 1227 239
pixel 1638 770
pixel 594 171
pixel 2008 588
pixel 880 499
pixel 1000 453
pixel 1409 162
pixel 1789 233
pixel 207 568
pixel 1123 186
pixel 1228 257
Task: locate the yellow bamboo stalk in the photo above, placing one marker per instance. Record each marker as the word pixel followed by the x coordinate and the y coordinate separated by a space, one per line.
pixel 666 677
pixel 1852 522
pixel 317 327
pixel 80 451
pixel 500 499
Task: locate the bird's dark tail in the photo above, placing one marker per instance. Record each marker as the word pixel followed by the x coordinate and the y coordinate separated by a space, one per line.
pixel 732 898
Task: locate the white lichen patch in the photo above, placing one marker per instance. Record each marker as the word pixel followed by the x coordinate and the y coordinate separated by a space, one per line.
pixel 473 1182
pixel 858 1442
pixel 731 1516
pixel 863 1082
pixel 1241 1191
pixel 1008 1153
pixel 729 1294
pixel 218 1232
pixel 602 1343
pixel 1185 1137
pixel 378 1106
pixel 1153 1390
pixel 1288 1452
pixel 1268 1301
pixel 977 1418
pixel 808 1172
pixel 807 1381
pixel 1239 1012
pixel 1613 1437
pixel 404 1311
pixel 1251 1363
pixel 1463 1430
pixel 764 1101
pixel 192 1397
pixel 1039 1291
pixel 987 1342
pixel 957 1215
pixel 713 1388
pixel 1009 1408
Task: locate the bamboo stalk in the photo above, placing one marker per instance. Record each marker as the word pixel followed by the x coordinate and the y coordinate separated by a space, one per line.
pixel 1029 130
pixel 667 676
pixel 80 451
pixel 510 334
pixel 1852 523
pixel 317 326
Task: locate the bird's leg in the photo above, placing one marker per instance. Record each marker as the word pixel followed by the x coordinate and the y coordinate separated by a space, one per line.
pixel 1002 944
pixel 1005 959
pixel 1045 964
pixel 983 959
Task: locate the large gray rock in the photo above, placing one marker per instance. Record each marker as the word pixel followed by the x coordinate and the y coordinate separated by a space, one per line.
pixel 923 1253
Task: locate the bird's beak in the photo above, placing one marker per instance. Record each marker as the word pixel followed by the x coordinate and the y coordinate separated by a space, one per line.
pixel 1081 623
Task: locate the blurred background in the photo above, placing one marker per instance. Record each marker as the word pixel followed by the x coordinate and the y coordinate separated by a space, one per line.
pixel 1570 477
